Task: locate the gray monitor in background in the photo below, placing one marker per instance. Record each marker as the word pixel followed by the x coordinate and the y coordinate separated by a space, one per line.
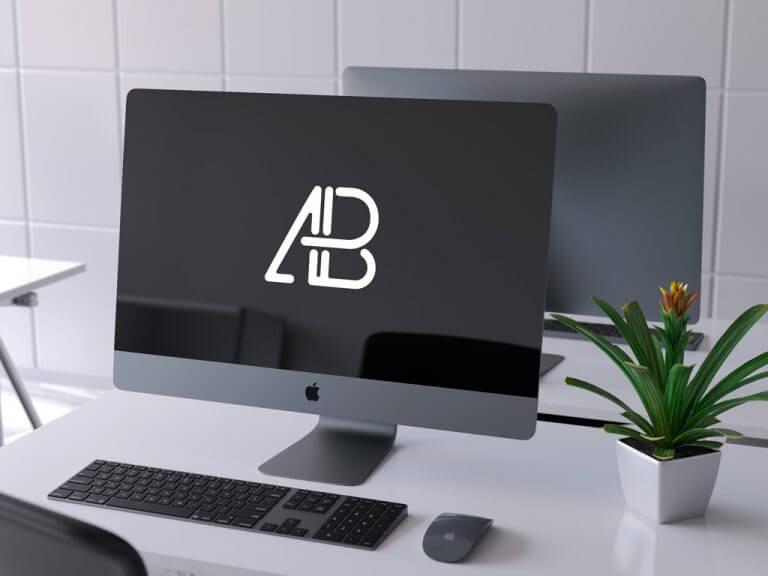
pixel 374 261
pixel 628 194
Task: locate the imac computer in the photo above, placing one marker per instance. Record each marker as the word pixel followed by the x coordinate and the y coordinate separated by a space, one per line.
pixel 629 171
pixel 373 261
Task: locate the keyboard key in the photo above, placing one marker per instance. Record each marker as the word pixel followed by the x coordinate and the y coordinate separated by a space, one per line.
pixel 79 496
pixel 300 532
pixel 97 499
pixel 244 522
pixel 60 493
pixel 224 519
pixel 284 529
pixel 203 516
pixel 80 480
pixel 268 527
pixel 371 538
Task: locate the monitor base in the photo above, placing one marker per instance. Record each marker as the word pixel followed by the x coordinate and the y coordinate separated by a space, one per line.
pixel 335 451
pixel 549 361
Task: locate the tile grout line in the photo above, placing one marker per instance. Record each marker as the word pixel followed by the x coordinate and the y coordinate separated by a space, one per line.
pixel 223 32
pixel 745 277
pixel 118 79
pixel 721 155
pixel 337 45
pixel 72 227
pixel 588 25
pixel 458 31
pixel 25 172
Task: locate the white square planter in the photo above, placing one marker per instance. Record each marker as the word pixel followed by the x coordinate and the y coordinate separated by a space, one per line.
pixel 667 491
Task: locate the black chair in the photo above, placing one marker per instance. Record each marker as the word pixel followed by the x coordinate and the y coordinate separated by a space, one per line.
pixel 38 542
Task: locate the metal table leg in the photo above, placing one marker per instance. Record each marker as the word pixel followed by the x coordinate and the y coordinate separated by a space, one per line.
pixel 18 385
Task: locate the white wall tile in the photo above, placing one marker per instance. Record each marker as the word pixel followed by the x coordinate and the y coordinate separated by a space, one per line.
pixel 72 147
pixel 168 82
pixel 711 159
pixel 659 37
pixel 281 37
pixel 170 35
pixel 15 322
pixel 11 168
pixel 415 33
pixel 282 85
pixel 523 34
pixel 67 33
pixel 744 203
pixel 735 294
pixel 749 45
pixel 76 317
pixel 7 35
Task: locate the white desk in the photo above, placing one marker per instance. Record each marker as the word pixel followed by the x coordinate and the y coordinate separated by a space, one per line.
pixel 585 361
pixel 19 277
pixel 556 499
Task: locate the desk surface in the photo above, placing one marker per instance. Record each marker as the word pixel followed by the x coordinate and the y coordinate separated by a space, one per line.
pixel 556 499
pixel 19 275
pixel 584 360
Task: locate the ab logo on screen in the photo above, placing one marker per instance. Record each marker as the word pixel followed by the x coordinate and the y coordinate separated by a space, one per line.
pixel 319 205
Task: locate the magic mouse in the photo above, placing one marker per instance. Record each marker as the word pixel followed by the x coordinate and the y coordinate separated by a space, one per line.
pixel 451 537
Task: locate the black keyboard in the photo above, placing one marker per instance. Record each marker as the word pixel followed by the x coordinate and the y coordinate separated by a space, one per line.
pixel 607 331
pixel 263 508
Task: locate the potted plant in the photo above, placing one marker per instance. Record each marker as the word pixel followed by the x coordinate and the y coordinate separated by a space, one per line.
pixel 669 454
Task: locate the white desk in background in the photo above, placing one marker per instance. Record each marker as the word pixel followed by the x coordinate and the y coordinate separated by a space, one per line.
pixel 19 278
pixel 556 499
pixel 584 360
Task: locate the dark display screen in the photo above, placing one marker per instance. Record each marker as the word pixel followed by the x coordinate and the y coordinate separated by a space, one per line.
pixel 400 240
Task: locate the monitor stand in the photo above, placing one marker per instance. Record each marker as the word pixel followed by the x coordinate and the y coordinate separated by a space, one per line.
pixel 335 451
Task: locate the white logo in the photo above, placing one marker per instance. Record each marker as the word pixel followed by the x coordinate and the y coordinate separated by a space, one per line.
pixel 315 206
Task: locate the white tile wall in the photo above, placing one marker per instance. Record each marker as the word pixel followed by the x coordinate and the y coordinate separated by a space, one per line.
pixel 72 147
pixel 7 33
pixel 11 166
pixel 170 35
pixel 67 33
pixel 734 293
pixel 419 33
pixel 524 34
pixel 79 58
pixel 283 85
pixel 659 37
pixel 75 328
pixel 743 237
pixel 16 323
pixel 281 37
pixel 749 45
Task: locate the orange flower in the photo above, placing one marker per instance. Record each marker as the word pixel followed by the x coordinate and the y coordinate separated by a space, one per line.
pixel 678 298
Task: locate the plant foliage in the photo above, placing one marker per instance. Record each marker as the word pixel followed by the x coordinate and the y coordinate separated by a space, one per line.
pixel 680 407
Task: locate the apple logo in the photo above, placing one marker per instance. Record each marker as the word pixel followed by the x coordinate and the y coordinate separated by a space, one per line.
pixel 312 393
pixel 450 536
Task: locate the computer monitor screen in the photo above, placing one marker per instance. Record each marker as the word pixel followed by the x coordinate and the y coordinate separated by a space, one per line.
pixel 629 175
pixel 378 259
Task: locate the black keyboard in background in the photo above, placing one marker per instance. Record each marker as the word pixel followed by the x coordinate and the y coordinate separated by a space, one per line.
pixel 608 331
pixel 359 522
